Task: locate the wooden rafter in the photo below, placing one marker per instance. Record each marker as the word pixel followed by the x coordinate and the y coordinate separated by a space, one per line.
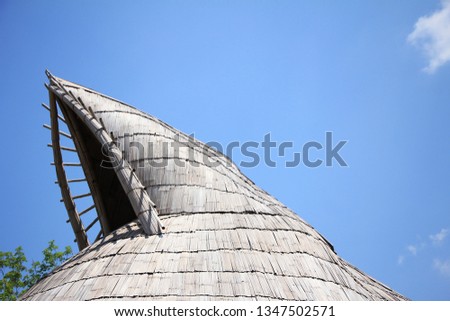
pixel 74 218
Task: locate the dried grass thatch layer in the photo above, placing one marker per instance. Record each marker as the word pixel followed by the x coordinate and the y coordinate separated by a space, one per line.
pixel 207 256
pixel 224 237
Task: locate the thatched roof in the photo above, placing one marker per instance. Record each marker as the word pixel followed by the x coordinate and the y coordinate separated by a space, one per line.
pixel 197 231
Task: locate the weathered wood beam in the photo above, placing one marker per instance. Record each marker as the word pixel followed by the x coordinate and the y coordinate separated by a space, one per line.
pixel 75 180
pixel 92 224
pixel 69 149
pixel 67 164
pixel 77 225
pixel 81 196
pixel 60 132
pixel 88 170
pixel 84 211
pixel 87 210
pixel 59 116
pixel 77 197
pixel 99 235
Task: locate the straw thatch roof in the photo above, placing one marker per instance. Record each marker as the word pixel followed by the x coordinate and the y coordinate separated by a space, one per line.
pixel 195 228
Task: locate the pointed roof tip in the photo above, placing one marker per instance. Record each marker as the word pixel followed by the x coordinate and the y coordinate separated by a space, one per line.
pixel 51 77
pixel 48 73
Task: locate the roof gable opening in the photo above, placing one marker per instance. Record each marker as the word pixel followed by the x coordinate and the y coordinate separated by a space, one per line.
pixel 112 204
pixel 119 196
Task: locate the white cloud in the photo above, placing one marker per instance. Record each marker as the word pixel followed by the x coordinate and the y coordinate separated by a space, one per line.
pixel 438 238
pixel 432 34
pixel 400 260
pixel 412 249
pixel 442 266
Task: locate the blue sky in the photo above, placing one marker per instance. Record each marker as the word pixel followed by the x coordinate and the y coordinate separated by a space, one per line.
pixel 370 72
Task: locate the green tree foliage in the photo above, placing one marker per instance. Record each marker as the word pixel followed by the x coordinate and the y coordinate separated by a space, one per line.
pixel 17 277
pixel 12 269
